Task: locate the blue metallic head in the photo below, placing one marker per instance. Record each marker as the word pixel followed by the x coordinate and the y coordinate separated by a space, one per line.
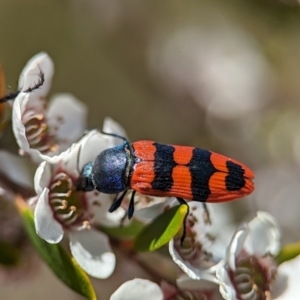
pixel 109 170
pixel 85 182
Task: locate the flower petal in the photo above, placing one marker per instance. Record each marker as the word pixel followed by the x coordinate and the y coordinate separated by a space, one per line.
pixel 85 150
pixel 138 289
pixel 208 234
pixel 194 272
pixel 100 210
pixel 18 126
pixel 286 286
pixel 186 283
pixel 19 106
pixel 111 126
pixel 41 62
pixel 91 145
pixel 147 208
pixel 45 224
pixel 226 289
pixel 236 244
pixel 66 118
pixel 264 236
pixel 92 251
pixel 42 177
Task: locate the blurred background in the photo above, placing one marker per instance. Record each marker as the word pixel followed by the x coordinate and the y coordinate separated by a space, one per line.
pixel 221 75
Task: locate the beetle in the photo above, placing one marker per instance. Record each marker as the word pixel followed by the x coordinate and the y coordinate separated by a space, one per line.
pixel 151 168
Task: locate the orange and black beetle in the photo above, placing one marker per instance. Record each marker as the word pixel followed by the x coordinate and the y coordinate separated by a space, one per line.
pixel 160 170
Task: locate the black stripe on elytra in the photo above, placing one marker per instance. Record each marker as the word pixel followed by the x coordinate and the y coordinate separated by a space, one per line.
pixel 163 167
pixel 201 170
pixel 235 179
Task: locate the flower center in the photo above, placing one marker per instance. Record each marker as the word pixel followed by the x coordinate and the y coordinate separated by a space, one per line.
pixel 189 250
pixel 69 206
pixel 37 132
pixel 252 278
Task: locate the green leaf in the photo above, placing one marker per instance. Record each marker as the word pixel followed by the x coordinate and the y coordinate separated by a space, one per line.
pixel 162 229
pixel 288 252
pixel 9 255
pixel 57 258
pixel 123 232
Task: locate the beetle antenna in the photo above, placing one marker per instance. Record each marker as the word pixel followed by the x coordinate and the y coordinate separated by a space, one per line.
pixel 117 136
pixel 125 141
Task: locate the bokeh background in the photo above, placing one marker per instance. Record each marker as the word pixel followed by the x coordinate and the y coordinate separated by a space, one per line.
pixel 222 75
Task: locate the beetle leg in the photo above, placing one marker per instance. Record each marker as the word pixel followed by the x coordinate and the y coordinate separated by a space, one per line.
pixel 131 205
pixel 117 202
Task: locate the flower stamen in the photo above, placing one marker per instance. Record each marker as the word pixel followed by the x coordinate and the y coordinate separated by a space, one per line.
pixel 69 222
pixel 86 225
pixel 66 216
pixel 73 208
pixel 37 132
pixel 66 195
pixel 250 279
pixel 37 135
pixel 31 127
pixel 68 205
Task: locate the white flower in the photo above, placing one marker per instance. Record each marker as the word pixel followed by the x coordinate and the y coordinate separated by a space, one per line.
pixel 186 288
pixel 244 267
pixel 43 130
pixel 60 207
pixel 205 242
pixel 138 289
pixel 248 269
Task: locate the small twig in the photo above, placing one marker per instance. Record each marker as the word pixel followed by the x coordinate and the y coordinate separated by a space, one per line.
pixel 13 95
